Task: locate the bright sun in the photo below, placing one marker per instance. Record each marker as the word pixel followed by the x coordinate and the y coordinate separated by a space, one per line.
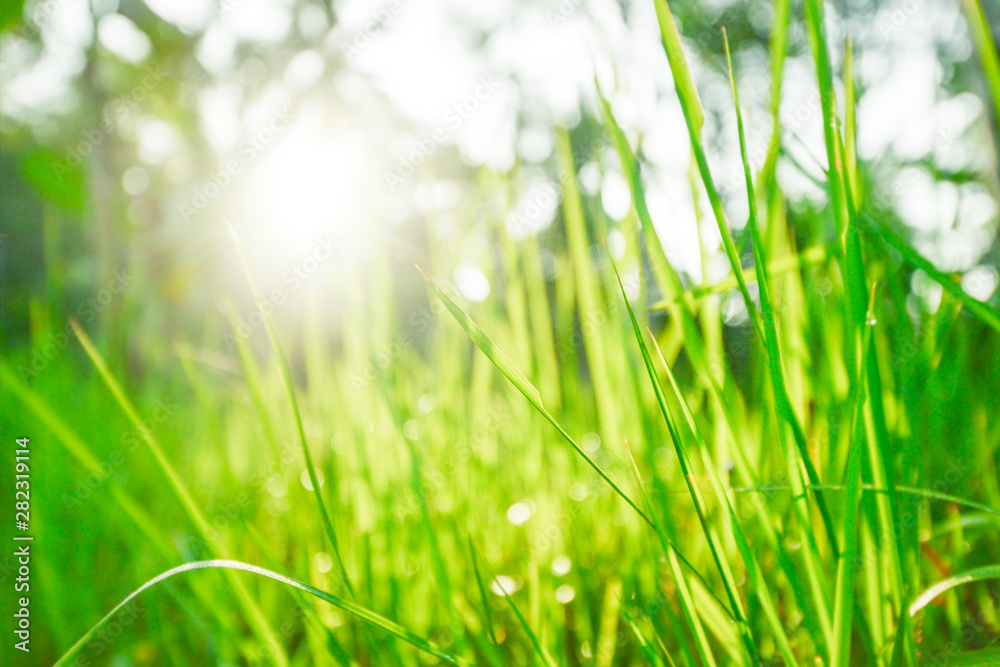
pixel 311 187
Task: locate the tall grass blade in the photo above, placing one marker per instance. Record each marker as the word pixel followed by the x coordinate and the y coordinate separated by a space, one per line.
pixel 770 333
pixel 542 653
pixel 715 544
pixel 285 377
pixel 521 383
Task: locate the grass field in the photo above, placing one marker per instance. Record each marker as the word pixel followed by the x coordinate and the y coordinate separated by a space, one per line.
pixel 599 464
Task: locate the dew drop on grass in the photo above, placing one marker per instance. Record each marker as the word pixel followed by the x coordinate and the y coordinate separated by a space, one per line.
pixel 306 482
pixel 565 594
pixel 871 321
pixel 426 403
pixel 520 512
pixel 323 561
pixel 561 565
pixel 591 442
pixel 503 584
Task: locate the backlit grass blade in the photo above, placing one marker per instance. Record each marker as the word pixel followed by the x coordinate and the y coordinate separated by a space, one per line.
pixel 664 273
pixel 589 306
pixel 285 377
pixel 783 401
pixel 693 117
pixel 79 450
pixel 365 615
pixel 816 255
pixel 647 649
pixel 844 601
pixel 686 89
pixel 521 383
pixel 754 572
pixel 487 616
pixel 986 47
pixel 715 544
pixel 977 574
pixel 255 384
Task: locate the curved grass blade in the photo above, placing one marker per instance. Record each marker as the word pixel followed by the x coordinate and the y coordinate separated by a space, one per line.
pixel 978 574
pixel 365 615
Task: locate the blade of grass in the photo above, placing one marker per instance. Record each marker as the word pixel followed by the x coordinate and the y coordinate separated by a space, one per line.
pixel 701 508
pixel 986 313
pixel 683 586
pixel 284 374
pixel 542 653
pixel 843 611
pixel 754 573
pixel 769 336
pixel 694 117
pixel 977 574
pixel 521 383
pixel 987 48
pixel 365 615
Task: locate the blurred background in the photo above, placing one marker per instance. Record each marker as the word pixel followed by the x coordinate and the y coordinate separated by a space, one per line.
pixel 131 131
pixel 347 144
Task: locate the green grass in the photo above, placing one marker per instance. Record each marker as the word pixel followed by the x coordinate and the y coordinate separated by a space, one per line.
pixel 817 486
